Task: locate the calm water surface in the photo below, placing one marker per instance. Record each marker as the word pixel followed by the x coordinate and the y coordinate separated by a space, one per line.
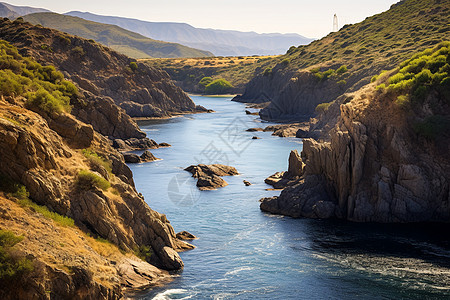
pixel 243 253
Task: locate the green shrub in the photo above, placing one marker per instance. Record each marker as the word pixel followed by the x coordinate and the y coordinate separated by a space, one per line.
pixel 87 181
pixel 54 102
pixel 12 266
pixel 143 252
pixel 96 160
pixel 43 86
pixel 374 78
pixel 342 69
pixel 342 82
pixel 285 62
pixel 402 101
pixel 43 210
pixel 133 66
pixel 323 107
pixel 205 81
pixel 381 87
pixel 218 86
pixel 78 51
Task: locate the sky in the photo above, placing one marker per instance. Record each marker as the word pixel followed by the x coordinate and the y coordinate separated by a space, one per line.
pixel 309 18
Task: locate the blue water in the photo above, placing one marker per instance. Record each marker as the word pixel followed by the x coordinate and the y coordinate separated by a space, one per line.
pixel 243 253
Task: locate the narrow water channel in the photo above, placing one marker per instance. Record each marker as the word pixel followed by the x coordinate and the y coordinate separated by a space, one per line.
pixel 243 253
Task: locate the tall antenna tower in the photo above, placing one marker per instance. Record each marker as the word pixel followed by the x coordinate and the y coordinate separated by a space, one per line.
pixel 335 23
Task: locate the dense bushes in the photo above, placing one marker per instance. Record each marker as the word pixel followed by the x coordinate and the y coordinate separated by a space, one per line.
pixel 218 86
pixel 424 72
pixel 205 81
pixel 42 86
pixel 330 73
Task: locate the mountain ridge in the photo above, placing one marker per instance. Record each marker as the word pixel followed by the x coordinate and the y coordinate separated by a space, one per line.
pixel 122 40
pixel 218 41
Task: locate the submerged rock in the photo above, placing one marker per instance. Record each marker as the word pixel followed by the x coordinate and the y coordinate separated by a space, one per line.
pixel 184 235
pixel 254 129
pixel 147 156
pixel 209 176
pixel 132 158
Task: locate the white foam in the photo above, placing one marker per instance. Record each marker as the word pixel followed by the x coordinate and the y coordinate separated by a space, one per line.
pixel 236 271
pixel 166 295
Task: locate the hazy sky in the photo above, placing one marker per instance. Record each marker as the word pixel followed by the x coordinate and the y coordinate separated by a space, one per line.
pixel 306 17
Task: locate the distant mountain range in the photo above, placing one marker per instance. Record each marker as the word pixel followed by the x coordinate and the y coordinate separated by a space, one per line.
pixel 142 39
pixel 12 11
pixel 219 42
pixel 124 41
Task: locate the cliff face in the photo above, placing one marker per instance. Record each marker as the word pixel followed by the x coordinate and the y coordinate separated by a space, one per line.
pixel 374 167
pixel 142 91
pixel 45 156
pixel 69 167
pixel 378 43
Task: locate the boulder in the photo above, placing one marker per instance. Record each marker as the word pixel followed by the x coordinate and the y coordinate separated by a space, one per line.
pixel 131 158
pixel 254 129
pixel 184 235
pixel 147 156
pixel 247 183
pixel 209 176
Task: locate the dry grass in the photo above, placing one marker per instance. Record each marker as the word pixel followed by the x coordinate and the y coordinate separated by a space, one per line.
pixel 60 246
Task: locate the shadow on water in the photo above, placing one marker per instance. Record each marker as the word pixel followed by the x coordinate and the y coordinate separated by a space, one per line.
pixel 401 261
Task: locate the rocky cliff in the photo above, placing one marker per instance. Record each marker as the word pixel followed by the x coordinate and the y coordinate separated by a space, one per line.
pixel 100 72
pixel 386 159
pixel 45 156
pixel 307 76
pixel 59 165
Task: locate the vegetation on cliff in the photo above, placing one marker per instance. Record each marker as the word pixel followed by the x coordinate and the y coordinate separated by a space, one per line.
pixel 47 154
pixel 189 72
pixel 366 168
pixel 422 80
pixel 380 42
pixel 42 86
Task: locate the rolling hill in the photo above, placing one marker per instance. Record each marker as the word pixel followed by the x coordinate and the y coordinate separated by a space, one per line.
pixel 219 42
pixel 307 76
pixel 115 37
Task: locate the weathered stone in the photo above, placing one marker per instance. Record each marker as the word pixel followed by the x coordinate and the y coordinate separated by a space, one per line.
pixel 184 235
pixel 131 158
pixel 296 164
pixel 147 156
pixel 209 175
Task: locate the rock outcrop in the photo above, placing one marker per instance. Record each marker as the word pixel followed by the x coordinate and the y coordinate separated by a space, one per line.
pixel 132 158
pixel 280 180
pixel 209 176
pixel 44 154
pixel 295 84
pixel 374 168
pixel 110 91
